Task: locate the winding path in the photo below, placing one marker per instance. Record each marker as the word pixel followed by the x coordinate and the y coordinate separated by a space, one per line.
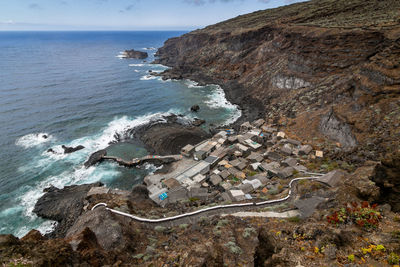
pixel 220 209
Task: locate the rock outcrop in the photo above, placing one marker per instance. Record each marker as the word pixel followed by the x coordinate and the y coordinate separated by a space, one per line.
pixel 295 63
pixel 95 158
pixel 68 150
pixel 166 136
pixel 134 54
pixel 63 205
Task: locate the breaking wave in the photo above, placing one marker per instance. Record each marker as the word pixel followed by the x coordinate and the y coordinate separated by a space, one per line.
pixel 34 139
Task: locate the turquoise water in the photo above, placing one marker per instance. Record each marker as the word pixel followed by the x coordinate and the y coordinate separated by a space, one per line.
pixel 72 87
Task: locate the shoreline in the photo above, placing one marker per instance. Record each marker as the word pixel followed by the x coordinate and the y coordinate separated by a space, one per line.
pixel 251 109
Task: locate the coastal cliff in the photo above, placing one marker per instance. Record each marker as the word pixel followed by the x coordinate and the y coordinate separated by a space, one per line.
pixel 322 69
pixel 325 72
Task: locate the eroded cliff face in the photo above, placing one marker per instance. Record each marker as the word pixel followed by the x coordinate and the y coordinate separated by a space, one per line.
pixel 326 69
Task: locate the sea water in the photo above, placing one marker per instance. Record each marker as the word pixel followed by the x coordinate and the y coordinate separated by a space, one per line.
pixel 73 88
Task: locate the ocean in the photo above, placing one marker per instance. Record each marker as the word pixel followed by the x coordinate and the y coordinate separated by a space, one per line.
pixel 73 87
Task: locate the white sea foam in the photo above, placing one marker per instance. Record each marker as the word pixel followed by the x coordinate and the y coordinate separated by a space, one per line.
pixel 136 71
pixel 157 71
pixel 137 65
pixel 79 175
pixel 218 100
pixel 152 168
pixel 31 140
pixel 192 84
pixel 47 227
pixel 150 77
pixel 44 228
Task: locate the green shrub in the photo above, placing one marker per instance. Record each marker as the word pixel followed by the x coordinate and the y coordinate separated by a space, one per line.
pixel 183 226
pixel 233 248
pixel 393 259
pixel 160 229
pixel 273 191
pixel 138 256
pixel 147 257
pixel 222 222
pixel 248 232
pixel 217 232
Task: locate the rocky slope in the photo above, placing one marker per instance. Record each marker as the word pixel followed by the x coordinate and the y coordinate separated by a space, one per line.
pixel 326 72
pixel 325 68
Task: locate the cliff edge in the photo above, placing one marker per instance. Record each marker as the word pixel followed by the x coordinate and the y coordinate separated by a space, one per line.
pixel 326 70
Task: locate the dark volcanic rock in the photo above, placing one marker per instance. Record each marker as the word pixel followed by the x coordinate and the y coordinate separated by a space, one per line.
pixel 337 130
pixel 62 205
pixel 110 232
pixel 8 240
pixel 195 108
pixel 167 136
pixel 295 63
pixel 198 122
pixel 68 150
pixel 95 158
pixel 135 54
pixel 140 192
pixel 387 177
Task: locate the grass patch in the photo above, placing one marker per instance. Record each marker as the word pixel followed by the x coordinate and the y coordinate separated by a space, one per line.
pixel 295 219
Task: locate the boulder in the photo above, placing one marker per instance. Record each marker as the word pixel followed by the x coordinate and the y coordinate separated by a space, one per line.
pixel 108 230
pixel 305 150
pixel 195 108
pixel 332 178
pixel 95 158
pixel 197 122
pixel 68 150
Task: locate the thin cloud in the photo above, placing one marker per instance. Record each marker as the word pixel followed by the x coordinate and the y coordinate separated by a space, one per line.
pixel 8 22
pixel 34 6
pixel 127 8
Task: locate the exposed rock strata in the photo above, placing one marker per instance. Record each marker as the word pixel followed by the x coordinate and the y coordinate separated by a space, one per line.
pixel 294 63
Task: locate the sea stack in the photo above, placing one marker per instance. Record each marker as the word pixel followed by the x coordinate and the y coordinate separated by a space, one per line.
pixel 134 54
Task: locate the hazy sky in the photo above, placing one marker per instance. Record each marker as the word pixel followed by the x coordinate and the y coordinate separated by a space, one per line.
pixel 123 14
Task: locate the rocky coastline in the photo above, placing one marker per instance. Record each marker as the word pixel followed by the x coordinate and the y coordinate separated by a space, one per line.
pixel 318 84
